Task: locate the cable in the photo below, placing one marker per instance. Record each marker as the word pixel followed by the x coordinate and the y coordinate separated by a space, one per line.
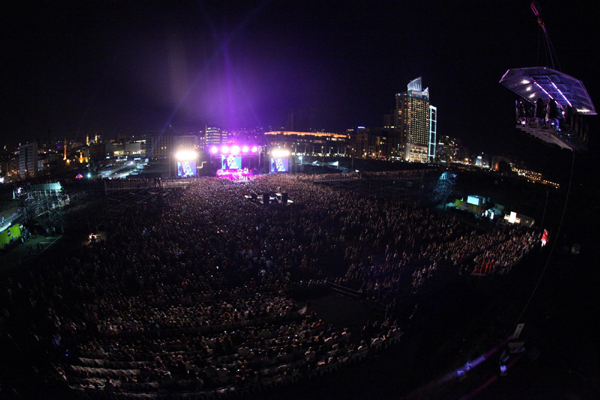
pixel 552 51
pixel 553 242
pixel 539 46
pixel 549 48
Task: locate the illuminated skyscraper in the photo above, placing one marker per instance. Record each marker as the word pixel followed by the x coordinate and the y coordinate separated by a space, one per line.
pixel 417 121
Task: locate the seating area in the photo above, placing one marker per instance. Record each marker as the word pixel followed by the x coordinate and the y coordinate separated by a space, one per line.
pixel 257 359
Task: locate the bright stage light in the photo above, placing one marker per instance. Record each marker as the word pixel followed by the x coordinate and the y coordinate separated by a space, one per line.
pixel 278 153
pixel 233 173
pixel 214 149
pixel 245 149
pixel 224 149
pixel 254 149
pixel 186 155
pixel 235 150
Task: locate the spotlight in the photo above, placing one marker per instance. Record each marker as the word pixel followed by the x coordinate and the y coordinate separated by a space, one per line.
pixel 214 150
pixel 254 149
pixel 224 149
pixel 186 155
pixel 245 149
pixel 280 153
pixel 235 150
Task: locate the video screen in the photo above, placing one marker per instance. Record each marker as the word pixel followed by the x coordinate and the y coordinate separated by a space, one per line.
pixel 231 162
pixel 280 165
pixel 186 168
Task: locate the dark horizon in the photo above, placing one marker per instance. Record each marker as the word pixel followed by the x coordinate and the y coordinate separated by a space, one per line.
pixel 124 67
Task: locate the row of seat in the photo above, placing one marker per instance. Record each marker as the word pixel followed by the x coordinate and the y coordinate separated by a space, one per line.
pixel 273 376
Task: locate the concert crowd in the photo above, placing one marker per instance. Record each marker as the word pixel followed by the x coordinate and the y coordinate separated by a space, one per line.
pixel 192 292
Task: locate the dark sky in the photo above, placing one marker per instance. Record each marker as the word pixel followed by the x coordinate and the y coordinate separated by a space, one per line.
pixel 131 65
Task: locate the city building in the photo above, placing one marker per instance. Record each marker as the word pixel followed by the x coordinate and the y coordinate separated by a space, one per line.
pixel 389 120
pixel 214 136
pixel 129 148
pixel 309 143
pixel 244 135
pixel 447 149
pixel 432 133
pixel 375 143
pixel 165 145
pixel 482 161
pixel 101 151
pixel 28 160
pixel 78 155
pixel 416 120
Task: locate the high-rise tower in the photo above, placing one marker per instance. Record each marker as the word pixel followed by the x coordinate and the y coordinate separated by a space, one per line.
pixel 28 160
pixel 414 117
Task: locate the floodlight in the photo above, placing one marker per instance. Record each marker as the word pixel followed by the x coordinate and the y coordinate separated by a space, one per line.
pixel 280 153
pixel 224 149
pixel 254 149
pixel 186 155
pixel 214 149
pixel 235 150
pixel 245 149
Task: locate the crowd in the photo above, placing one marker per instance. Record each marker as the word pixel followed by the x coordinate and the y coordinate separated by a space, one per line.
pixel 443 246
pixel 404 174
pixel 189 292
pixel 501 257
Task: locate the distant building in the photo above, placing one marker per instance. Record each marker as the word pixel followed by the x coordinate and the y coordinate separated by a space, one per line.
pixel 214 136
pixel 101 151
pixel 389 120
pixel 129 148
pixel 416 120
pixel 164 145
pixel 309 143
pixel 28 160
pixel 254 136
pixel 463 155
pixel 482 161
pixel 78 155
pixel 54 162
pixel 447 149
pixel 431 147
pixel 375 143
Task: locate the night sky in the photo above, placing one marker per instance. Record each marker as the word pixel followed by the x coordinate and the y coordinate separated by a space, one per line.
pixel 129 66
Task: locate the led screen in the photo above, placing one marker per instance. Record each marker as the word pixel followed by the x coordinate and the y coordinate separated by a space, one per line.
pixel 231 162
pixel 186 168
pixel 475 200
pixel 279 165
